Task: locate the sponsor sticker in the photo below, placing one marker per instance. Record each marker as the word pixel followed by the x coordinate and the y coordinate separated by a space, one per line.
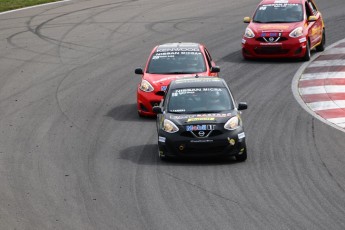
pixel 212 115
pixel 201 141
pixel 267 34
pixel 274 27
pixel 182 49
pixel 241 135
pixel 301 40
pixel 161 139
pixel 201 119
pixel 199 127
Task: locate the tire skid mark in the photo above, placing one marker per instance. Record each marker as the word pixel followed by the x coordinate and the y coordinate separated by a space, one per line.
pixel 9 41
pixel 323 163
pixel 241 204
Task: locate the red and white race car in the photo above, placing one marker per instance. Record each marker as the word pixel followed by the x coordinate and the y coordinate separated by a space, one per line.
pixel 167 62
pixel 284 29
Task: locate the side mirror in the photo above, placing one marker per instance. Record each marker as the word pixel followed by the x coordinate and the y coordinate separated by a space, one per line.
pixel 246 19
pixel 157 109
pixel 215 69
pixel 312 19
pixel 139 71
pixel 242 106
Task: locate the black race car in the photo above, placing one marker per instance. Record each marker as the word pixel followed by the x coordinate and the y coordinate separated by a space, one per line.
pixel 198 117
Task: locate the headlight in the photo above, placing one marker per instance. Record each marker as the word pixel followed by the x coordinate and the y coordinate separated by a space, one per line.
pixel 169 126
pixel 249 33
pixel 146 86
pixel 232 124
pixel 298 32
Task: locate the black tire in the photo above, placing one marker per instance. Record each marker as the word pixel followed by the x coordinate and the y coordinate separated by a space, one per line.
pixel 321 47
pixel 307 53
pixel 242 157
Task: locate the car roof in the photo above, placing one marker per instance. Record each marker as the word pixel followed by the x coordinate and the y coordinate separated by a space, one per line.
pixel 178 46
pixel 193 82
pixel 280 1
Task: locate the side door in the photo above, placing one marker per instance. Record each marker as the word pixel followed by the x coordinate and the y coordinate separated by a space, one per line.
pixel 314 27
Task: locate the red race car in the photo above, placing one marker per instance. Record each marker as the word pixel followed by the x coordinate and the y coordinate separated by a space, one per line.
pixel 167 62
pixel 284 29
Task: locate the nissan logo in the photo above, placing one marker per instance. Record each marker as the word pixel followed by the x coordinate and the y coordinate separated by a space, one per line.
pixel 201 133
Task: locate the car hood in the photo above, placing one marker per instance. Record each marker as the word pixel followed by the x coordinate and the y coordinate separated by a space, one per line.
pixel 274 27
pixel 197 119
pixel 165 79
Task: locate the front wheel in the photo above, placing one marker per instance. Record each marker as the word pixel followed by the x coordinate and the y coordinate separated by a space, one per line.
pixel 307 53
pixel 321 47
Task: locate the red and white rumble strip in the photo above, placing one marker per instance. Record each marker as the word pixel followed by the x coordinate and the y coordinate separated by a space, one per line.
pixel 321 85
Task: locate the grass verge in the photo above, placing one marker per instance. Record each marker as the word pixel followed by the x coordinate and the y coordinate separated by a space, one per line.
pixel 6 5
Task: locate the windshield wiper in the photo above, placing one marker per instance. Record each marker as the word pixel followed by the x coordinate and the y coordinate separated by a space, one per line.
pixel 175 112
pixel 178 72
pixel 276 22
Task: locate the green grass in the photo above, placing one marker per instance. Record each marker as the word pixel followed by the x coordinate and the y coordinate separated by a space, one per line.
pixel 6 5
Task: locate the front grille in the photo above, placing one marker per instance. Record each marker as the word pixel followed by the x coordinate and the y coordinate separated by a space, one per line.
pixel 267 39
pixel 271 50
pixel 212 134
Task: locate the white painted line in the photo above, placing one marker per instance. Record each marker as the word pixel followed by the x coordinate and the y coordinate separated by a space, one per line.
pixel 324 105
pixel 334 51
pixel 314 76
pixel 297 77
pixel 30 7
pixel 324 63
pixel 342 125
pixel 322 89
pixel 340 120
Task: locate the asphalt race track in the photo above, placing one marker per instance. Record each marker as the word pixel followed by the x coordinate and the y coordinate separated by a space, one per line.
pixel 75 155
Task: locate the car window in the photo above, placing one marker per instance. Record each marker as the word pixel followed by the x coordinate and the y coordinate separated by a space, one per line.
pixel 278 13
pixel 199 100
pixel 209 58
pixel 312 7
pixel 177 62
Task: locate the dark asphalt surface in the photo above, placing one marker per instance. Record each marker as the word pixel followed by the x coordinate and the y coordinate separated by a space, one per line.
pixel 75 155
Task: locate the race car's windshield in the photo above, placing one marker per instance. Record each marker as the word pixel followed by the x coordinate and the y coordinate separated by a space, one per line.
pixel 177 62
pixel 200 100
pixel 278 13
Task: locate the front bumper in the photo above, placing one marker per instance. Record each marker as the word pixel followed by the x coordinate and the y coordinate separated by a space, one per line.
pixel 145 102
pixel 230 143
pixel 290 48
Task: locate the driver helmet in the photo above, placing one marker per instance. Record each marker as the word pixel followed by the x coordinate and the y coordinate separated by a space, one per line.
pixel 214 97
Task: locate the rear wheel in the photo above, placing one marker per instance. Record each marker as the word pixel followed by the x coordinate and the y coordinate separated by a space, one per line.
pixel 307 53
pixel 321 47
